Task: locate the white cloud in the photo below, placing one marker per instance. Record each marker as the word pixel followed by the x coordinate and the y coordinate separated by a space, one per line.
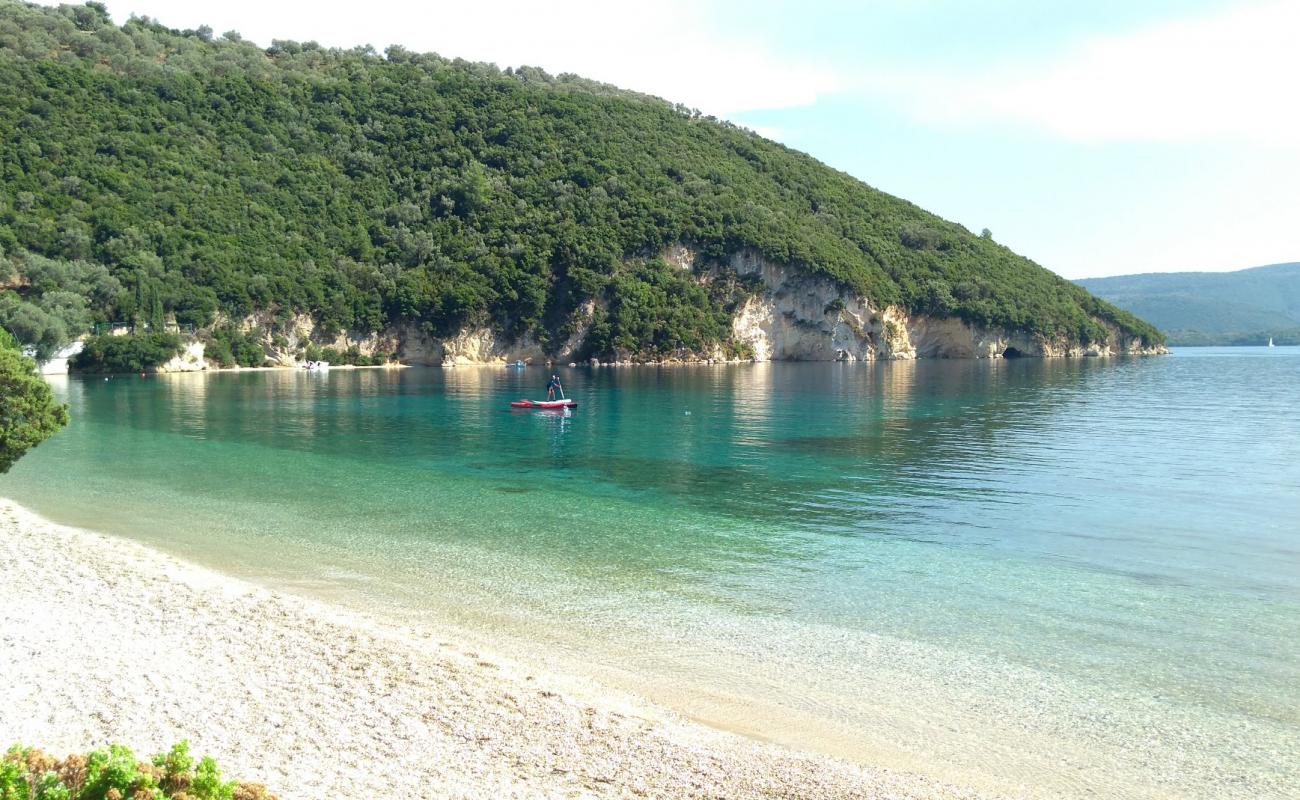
pixel 1227 77
pixel 666 48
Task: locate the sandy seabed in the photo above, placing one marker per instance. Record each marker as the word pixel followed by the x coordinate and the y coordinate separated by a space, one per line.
pixel 106 640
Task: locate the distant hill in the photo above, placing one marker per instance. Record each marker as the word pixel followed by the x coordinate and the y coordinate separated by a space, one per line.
pixel 1193 308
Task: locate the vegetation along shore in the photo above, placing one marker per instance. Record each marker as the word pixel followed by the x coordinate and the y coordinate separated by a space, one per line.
pixel 271 201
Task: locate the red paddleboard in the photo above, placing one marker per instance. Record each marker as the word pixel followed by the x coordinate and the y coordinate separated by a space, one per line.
pixel 543 404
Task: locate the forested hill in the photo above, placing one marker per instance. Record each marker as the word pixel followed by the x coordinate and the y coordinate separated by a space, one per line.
pixel 1244 307
pixel 151 173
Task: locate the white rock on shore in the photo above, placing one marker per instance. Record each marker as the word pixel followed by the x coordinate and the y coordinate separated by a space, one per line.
pixel 105 640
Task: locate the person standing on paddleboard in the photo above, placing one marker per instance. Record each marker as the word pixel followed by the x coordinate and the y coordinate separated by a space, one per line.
pixel 552 385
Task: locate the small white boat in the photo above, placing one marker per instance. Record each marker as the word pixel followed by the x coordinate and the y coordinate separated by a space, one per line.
pixel 1270 341
pixel 316 366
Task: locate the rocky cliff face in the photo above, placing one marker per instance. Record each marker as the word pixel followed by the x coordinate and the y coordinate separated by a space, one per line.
pixel 468 346
pixel 799 317
pixel 408 342
pixel 189 359
pixel 796 317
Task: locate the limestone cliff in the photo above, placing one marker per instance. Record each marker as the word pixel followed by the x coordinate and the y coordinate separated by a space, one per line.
pixel 796 316
pixel 468 346
pixel 189 359
pixel 801 317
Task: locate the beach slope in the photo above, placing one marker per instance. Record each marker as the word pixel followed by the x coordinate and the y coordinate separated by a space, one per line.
pixel 105 640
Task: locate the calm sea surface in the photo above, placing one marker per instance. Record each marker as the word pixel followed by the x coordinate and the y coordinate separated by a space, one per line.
pixel 1056 578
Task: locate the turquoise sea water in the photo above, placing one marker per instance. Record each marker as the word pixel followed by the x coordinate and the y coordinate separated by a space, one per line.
pixel 1056 578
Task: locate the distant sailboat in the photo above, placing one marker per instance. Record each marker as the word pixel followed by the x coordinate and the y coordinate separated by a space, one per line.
pixel 1270 341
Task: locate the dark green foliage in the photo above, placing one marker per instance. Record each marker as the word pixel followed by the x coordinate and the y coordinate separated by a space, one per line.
pixel 28 413
pixel 355 357
pixel 208 174
pixel 134 353
pixel 32 325
pixel 53 300
pixel 29 774
pixel 352 356
pixel 227 347
pixel 660 310
pixel 1203 308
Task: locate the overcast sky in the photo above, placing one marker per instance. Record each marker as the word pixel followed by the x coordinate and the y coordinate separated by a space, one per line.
pixel 1097 138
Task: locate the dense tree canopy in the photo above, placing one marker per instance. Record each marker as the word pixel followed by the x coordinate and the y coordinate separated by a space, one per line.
pixel 134 353
pixel 179 175
pixel 28 413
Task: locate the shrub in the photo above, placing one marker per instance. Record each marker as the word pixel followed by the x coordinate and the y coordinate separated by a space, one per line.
pixel 228 346
pixel 134 353
pixel 29 774
pixel 352 356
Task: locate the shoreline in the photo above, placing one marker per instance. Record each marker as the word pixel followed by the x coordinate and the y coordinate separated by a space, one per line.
pixel 106 639
pixel 238 369
pixel 581 365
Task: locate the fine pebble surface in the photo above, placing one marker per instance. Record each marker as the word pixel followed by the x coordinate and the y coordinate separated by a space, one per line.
pixel 105 640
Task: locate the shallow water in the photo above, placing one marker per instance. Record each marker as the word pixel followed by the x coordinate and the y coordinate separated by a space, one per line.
pixel 1066 577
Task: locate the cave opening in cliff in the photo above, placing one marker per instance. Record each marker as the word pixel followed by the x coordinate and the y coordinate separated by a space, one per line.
pixel 1011 352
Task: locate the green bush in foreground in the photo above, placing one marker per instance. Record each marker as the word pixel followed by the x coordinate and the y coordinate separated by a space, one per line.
pixel 28 413
pixel 115 774
pixel 134 353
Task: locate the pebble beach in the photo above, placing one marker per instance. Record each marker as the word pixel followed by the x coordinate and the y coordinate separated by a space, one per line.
pixel 105 640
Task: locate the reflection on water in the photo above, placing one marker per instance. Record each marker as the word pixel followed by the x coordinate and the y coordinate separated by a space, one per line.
pixel 1048 577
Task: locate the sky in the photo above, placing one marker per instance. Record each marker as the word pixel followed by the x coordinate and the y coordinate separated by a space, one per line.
pixel 1097 138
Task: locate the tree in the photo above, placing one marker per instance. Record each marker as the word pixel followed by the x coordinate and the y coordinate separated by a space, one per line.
pixel 32 325
pixel 135 353
pixel 166 174
pixel 28 413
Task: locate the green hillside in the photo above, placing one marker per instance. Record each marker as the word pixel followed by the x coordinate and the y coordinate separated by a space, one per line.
pixel 1195 308
pixel 151 174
